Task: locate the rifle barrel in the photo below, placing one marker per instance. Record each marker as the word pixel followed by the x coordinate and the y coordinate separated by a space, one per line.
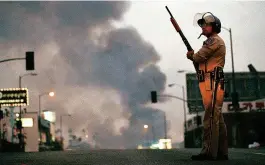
pixel 169 12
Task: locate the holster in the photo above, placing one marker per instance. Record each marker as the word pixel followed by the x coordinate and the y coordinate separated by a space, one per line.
pixel 218 75
pixel 201 76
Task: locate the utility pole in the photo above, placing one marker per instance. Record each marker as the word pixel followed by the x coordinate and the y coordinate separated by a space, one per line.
pixel 29 59
pixel 153 130
pixel 154 100
pixel 21 136
pixel 12 122
pixel 61 128
pixel 235 94
pixel 40 118
pixel 196 108
pixel 235 97
pixel 184 107
pixel 165 125
pixel 1 127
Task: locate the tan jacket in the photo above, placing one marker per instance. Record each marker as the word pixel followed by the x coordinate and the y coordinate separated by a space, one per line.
pixel 211 54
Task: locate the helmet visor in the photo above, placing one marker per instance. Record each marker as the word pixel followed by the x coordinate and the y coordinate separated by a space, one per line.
pixel 202 19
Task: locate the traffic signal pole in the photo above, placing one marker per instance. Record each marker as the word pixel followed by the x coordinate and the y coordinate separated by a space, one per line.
pixel 29 60
pixel 29 66
pixel 12 59
pixel 154 96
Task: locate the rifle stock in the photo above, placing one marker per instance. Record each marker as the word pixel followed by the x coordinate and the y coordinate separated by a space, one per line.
pixel 184 39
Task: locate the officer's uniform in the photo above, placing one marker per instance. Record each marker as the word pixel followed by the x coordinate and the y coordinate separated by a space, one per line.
pixel 210 56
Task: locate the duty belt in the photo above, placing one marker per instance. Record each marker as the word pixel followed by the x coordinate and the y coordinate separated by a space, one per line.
pixel 216 74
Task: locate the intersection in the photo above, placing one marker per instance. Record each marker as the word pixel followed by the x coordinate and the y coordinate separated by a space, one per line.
pixel 130 157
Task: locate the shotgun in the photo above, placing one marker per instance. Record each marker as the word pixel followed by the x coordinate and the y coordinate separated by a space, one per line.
pixel 184 39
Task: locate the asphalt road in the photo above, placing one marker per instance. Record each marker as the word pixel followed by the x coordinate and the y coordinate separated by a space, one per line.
pixel 130 157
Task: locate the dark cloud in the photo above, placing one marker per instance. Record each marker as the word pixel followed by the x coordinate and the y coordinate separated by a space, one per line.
pixel 102 75
pixel 88 14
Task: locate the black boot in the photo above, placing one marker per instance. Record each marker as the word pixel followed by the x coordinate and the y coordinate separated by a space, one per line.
pixel 222 157
pixel 202 157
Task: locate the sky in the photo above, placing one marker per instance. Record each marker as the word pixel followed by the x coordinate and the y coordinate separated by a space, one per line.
pixel 103 58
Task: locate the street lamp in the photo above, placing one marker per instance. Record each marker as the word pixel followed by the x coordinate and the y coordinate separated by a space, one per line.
pixel 196 104
pixel 40 95
pixel 184 107
pixel 27 74
pixel 235 99
pixel 20 82
pixel 146 128
pixel 234 94
pixel 20 113
pixel 51 94
pixel 165 129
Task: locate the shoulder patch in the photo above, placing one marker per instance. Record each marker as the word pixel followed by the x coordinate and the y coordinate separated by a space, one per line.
pixel 209 41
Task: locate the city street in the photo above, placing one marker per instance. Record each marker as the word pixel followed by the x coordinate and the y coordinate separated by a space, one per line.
pixel 127 157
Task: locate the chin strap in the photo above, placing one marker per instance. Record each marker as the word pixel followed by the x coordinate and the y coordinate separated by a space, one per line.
pixel 200 36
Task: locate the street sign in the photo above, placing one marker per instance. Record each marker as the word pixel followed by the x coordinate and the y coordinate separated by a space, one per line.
pixel 248 85
pixel 14 97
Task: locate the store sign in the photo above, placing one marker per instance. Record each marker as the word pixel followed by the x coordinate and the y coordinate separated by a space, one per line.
pixel 27 122
pixel 249 87
pixel 14 97
pixel 248 106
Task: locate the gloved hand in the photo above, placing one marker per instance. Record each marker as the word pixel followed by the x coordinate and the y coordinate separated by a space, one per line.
pixel 190 55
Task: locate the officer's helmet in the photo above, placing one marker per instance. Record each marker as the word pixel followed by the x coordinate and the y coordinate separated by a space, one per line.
pixel 208 18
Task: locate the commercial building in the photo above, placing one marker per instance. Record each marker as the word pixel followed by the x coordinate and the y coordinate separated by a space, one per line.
pixel 244 126
pixel 36 130
pixel 31 133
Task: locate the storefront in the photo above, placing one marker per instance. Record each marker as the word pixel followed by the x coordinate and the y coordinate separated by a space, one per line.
pixel 44 129
pixel 243 128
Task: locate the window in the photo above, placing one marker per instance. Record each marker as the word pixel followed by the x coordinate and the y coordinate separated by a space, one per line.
pixel 262 87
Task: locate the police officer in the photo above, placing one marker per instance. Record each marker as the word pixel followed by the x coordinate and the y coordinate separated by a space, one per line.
pixel 211 60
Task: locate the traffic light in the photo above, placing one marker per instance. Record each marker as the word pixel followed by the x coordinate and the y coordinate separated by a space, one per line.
pixel 199 120
pixel 1 114
pixel 6 113
pixel 25 110
pixel 30 61
pixel 235 101
pixel 153 96
pixel 19 124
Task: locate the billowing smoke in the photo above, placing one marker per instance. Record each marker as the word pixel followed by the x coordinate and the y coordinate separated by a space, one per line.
pixel 102 75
